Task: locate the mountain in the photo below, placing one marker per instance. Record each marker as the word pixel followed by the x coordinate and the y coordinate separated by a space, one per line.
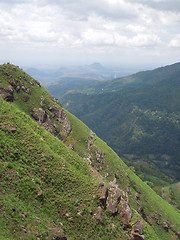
pixel 139 117
pixel 60 181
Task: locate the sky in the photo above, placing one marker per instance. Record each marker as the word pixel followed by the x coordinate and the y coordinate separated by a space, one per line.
pixel 62 32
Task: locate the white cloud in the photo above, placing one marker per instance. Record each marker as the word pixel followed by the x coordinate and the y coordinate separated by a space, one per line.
pixel 175 42
pixel 145 40
pixel 118 27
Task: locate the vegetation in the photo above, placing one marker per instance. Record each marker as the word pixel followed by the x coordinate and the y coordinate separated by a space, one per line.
pixel 47 188
pixel 139 117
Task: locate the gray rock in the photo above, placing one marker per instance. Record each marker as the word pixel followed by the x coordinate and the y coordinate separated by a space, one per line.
pixel 99 216
pixel 39 115
pixel 113 207
pixel 125 212
pixel 58 233
pixel 103 194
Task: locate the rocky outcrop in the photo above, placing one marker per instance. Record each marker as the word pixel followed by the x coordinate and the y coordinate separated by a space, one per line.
pixel 125 213
pixel 7 94
pixel 103 194
pixel 114 201
pixel 58 233
pixel 99 216
pixel 39 115
pixel 57 113
pixel 43 119
pixel 137 230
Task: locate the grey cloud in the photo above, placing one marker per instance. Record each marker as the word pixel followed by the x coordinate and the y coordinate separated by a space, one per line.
pixel 81 9
pixel 166 5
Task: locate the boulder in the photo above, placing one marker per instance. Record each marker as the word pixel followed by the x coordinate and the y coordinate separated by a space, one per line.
pixel 58 233
pixel 99 156
pixel 138 227
pixel 137 236
pixel 103 194
pixel 99 216
pixel 39 115
pixel 11 128
pixel 40 195
pixel 125 213
pixel 57 113
pixel 26 89
pixel 113 184
pixel 112 207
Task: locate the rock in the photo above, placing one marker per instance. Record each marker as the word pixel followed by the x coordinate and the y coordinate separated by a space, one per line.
pixel 103 194
pixel 11 128
pixel 18 88
pixel 79 214
pixel 165 226
pixel 125 212
pixel 113 184
pixel 57 113
pixel 141 211
pixel 137 197
pixel 40 195
pixel 39 115
pixel 113 207
pixel 137 236
pixel 117 196
pixel 9 98
pixel 42 101
pixel 99 216
pixel 38 83
pixel 58 233
pixel 138 226
pixel 26 89
pixel 99 156
pixel 71 146
pixel 116 176
pixel 113 203
pixel 114 228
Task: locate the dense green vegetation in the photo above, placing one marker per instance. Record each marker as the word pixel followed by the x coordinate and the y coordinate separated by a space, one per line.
pixel 141 122
pixel 46 187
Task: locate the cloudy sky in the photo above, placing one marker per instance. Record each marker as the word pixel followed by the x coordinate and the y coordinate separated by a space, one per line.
pixel 86 31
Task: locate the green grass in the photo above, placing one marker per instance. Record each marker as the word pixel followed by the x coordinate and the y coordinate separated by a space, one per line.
pixel 33 160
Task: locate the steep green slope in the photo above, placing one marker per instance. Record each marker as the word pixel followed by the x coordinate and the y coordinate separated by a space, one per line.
pixel 46 187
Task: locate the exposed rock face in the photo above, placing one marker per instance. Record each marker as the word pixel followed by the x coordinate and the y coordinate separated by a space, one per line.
pixel 125 213
pixel 57 113
pixel 99 156
pixel 113 184
pixel 103 194
pixel 137 230
pixel 99 216
pixel 113 203
pixel 7 94
pixel 26 89
pixel 112 207
pixel 39 115
pixel 66 129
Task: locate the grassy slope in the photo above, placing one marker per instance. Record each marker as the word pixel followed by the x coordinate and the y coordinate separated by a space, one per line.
pixel 33 160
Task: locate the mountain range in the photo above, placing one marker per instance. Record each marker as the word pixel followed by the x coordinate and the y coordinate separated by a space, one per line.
pixel 59 180
pixel 139 117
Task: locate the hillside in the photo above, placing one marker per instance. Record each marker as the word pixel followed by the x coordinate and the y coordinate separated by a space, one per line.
pixel 140 121
pixel 60 181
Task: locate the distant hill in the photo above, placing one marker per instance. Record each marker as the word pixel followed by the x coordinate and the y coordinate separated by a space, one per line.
pixel 58 180
pixel 139 117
